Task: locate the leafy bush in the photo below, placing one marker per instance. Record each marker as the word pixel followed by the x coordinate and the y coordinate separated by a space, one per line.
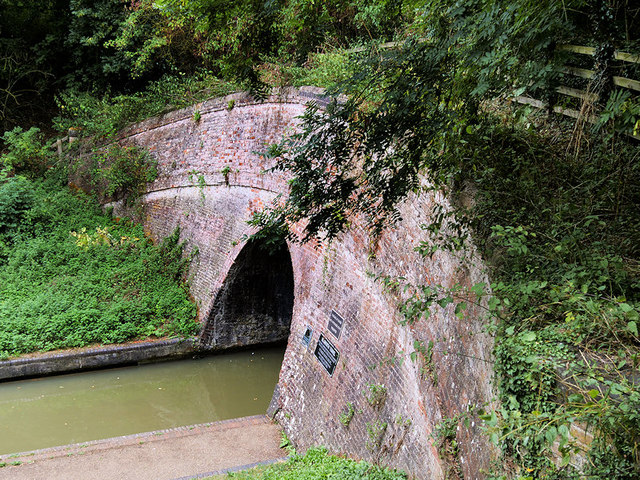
pixel 16 198
pixel 325 69
pixel 122 172
pixel 75 277
pixel 25 150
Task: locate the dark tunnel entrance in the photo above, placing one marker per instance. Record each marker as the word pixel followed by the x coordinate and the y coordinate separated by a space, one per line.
pixel 255 304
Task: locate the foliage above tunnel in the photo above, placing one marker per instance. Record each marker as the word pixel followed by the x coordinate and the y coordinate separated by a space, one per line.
pixel 118 47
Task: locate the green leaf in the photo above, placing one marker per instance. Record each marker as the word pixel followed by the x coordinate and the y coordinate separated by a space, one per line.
pixel 519 91
pixel 625 307
pixel 633 328
pixel 551 434
pixel 443 302
pixel 493 303
pixel 563 430
pixel 478 288
pixel 528 337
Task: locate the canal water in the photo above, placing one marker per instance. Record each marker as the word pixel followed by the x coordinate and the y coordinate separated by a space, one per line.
pixel 87 406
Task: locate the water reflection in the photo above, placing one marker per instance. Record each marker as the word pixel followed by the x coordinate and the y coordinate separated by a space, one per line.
pixel 88 406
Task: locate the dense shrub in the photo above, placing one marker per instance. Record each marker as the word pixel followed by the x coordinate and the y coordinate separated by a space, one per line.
pixel 26 150
pixel 122 172
pixel 16 198
pixel 73 276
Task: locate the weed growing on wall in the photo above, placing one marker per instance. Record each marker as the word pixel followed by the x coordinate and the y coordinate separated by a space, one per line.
pixel 122 172
pixel 376 395
pixel 444 438
pixel 197 178
pixel 71 276
pixel 347 414
pixel 375 433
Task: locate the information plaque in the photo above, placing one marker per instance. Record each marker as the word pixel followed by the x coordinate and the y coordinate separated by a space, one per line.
pixel 335 323
pixel 327 354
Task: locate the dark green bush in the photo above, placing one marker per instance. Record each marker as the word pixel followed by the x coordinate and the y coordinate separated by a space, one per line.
pixel 75 277
pixel 25 150
pixel 122 172
pixel 16 198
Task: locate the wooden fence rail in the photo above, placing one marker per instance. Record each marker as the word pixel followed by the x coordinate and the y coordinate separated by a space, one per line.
pixel 587 74
pixel 584 95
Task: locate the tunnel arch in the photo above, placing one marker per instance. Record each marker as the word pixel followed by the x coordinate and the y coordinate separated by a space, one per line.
pixel 254 306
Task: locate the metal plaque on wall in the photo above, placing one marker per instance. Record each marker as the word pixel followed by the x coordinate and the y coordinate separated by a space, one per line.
pixel 335 323
pixel 327 354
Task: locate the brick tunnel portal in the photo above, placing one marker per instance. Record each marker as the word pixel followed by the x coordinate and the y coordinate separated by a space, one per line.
pixel 255 304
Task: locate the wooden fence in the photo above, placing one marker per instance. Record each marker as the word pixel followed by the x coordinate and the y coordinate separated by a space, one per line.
pixel 584 95
pixel 563 90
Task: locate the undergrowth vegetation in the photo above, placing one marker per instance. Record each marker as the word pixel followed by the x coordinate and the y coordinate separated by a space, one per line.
pixel 71 276
pixel 560 232
pixel 317 464
pixel 102 115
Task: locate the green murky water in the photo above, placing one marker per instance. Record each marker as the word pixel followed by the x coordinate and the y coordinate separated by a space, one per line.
pixel 80 407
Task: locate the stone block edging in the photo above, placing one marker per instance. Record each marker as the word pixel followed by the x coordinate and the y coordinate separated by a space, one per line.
pixel 67 361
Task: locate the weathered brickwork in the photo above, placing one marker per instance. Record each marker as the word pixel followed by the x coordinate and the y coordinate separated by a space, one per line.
pixel 211 181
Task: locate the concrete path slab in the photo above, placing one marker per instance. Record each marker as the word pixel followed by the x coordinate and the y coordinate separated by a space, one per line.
pixel 162 455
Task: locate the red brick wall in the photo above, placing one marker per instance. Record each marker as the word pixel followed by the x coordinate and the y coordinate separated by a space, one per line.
pixel 336 276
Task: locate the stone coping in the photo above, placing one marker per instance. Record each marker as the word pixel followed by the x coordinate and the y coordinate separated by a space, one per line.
pixel 92 358
pixel 301 95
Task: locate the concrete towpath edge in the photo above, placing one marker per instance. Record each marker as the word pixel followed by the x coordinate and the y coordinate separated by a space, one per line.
pixel 181 452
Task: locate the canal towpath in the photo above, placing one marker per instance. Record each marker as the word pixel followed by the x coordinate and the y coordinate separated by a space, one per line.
pixel 177 453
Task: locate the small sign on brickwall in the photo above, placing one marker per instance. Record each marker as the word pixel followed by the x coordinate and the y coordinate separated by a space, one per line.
pixel 327 354
pixel 335 324
pixel 306 338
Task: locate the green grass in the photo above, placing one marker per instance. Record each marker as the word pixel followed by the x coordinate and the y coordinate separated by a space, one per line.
pixel 316 464
pixel 71 276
